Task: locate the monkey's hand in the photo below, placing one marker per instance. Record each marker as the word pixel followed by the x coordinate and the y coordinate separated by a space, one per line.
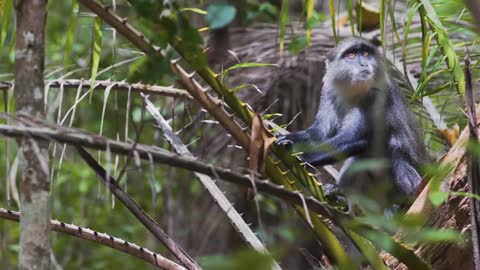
pixel 284 140
pixel 334 194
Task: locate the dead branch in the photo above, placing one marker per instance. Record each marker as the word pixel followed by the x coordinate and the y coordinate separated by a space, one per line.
pixel 168 91
pixel 137 211
pixel 103 239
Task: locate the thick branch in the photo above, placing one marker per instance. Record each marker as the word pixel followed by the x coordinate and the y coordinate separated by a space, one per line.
pixel 78 137
pixel 168 91
pixel 103 239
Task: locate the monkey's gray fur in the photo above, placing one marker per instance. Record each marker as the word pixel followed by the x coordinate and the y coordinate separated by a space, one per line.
pixel 364 116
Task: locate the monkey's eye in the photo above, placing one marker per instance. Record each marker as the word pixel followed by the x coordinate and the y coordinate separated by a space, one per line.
pixel 352 55
pixel 365 53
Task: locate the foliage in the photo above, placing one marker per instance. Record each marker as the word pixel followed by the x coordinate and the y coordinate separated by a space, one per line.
pixel 80 46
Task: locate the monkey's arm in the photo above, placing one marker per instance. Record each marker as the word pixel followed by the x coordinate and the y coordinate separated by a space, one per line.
pixel 350 140
pixel 325 124
pixel 340 153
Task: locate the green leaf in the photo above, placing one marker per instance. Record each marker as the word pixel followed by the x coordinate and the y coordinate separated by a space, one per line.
pixel 220 15
pixel 438 197
pixel 283 24
pixel 310 8
pixel 195 10
pixel 240 87
pixel 246 259
pixel 97 48
pixel 297 44
pixel 350 15
pixel 247 65
pixel 397 249
pixel 331 8
pixel 315 19
pixel 6 13
pixel 466 194
pixel 188 43
pixel 271 115
pixel 70 34
pixel 269 10
pixel 433 235
pixel 428 12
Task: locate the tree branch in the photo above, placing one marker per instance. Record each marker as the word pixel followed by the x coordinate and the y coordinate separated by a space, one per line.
pixel 103 239
pixel 78 137
pixel 220 199
pixel 137 211
pixel 168 91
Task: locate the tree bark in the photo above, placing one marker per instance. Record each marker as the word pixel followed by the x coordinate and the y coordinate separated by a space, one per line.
pixel 35 181
pixel 454 213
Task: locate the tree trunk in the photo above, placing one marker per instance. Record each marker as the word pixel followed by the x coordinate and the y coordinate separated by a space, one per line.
pixel 35 182
pixel 453 214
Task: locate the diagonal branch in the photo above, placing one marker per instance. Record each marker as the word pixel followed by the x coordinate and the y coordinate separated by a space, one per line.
pixel 137 211
pixel 103 239
pixel 233 216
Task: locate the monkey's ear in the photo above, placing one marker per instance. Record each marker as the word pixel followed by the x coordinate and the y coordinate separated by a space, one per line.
pixel 329 57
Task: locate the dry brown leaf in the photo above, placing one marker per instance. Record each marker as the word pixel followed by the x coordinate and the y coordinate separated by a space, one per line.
pixel 260 141
pixel 451 134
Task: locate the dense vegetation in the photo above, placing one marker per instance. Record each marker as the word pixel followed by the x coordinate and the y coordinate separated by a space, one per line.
pixel 215 80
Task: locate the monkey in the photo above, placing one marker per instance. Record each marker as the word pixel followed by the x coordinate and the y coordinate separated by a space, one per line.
pixel 363 118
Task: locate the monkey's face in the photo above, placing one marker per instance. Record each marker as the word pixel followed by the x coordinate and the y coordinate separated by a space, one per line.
pixel 355 69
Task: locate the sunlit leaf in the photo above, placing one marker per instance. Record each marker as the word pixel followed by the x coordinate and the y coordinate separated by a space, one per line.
pixel 310 5
pixel 97 48
pixel 6 14
pixel 428 12
pixel 331 8
pixel 247 65
pixel 283 24
pixel 350 15
pixel 195 10
pixel 70 34
pixel 438 197
pixel 271 115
